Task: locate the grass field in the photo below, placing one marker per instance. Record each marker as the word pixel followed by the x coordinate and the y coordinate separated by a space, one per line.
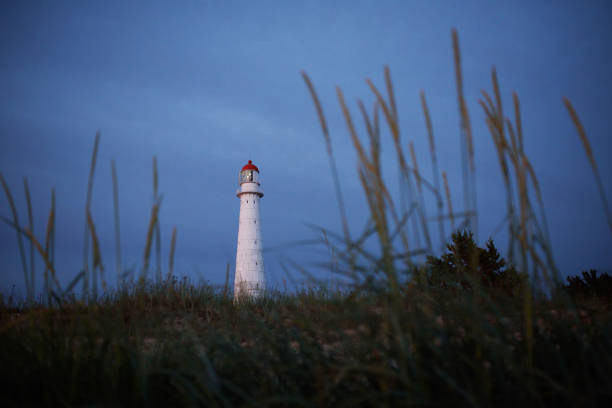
pixel 175 344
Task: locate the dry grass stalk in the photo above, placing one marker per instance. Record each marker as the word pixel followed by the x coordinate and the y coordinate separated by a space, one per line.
pixel 172 249
pixel 363 158
pixel 31 227
pixel 517 120
pixel 529 171
pixel 49 247
pixel 28 234
pixel 525 229
pixel 523 212
pixel 498 102
pixel 376 203
pixel 330 155
pixel 420 196
pixel 430 134
pixel 116 219
pixel 376 128
pixel 434 165
pixel 394 127
pixel 374 168
pixel 90 181
pixel 389 85
pixel 377 212
pixel 581 132
pixel 97 255
pixel 518 228
pixel 370 176
pixel 41 251
pixel 496 128
pixel 406 178
pixel 149 239
pixel 372 134
pixel 415 167
pixel 467 144
pixel 589 152
pixel 448 200
pixel 158 271
pixel 9 197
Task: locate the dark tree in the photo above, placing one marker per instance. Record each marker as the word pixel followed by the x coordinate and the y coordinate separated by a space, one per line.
pixel 465 264
pixel 590 284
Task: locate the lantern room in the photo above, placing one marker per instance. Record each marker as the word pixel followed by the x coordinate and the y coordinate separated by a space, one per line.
pixel 249 174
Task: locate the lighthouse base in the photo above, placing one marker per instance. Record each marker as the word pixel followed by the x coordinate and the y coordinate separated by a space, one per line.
pixel 248 290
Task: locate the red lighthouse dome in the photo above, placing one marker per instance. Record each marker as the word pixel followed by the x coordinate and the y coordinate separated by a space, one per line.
pixel 250 166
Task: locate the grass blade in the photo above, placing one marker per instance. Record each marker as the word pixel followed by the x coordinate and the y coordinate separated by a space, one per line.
pixel 467 145
pixel 26 188
pixel 448 200
pixel 49 237
pixel 28 234
pixel 90 181
pixel 158 272
pixel 97 255
pixel 172 248
pixel 116 216
pixel 435 166
pixel 11 202
pixel 330 155
pixel 149 240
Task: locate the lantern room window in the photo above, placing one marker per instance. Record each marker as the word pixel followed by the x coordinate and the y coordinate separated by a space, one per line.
pixel 248 176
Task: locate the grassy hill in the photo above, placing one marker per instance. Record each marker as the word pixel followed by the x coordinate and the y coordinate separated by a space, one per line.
pixel 176 344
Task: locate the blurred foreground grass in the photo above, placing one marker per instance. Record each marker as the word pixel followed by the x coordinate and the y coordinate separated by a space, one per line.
pixel 175 344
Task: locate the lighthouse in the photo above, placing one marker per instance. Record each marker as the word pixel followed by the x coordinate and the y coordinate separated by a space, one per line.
pixel 249 280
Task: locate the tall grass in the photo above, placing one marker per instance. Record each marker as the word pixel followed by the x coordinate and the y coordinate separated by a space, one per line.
pixel 93 266
pixel 529 240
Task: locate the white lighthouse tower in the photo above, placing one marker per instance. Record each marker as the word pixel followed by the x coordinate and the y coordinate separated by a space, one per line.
pixel 249 278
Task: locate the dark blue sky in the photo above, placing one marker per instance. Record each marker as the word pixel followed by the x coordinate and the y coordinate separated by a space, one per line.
pixel 205 86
